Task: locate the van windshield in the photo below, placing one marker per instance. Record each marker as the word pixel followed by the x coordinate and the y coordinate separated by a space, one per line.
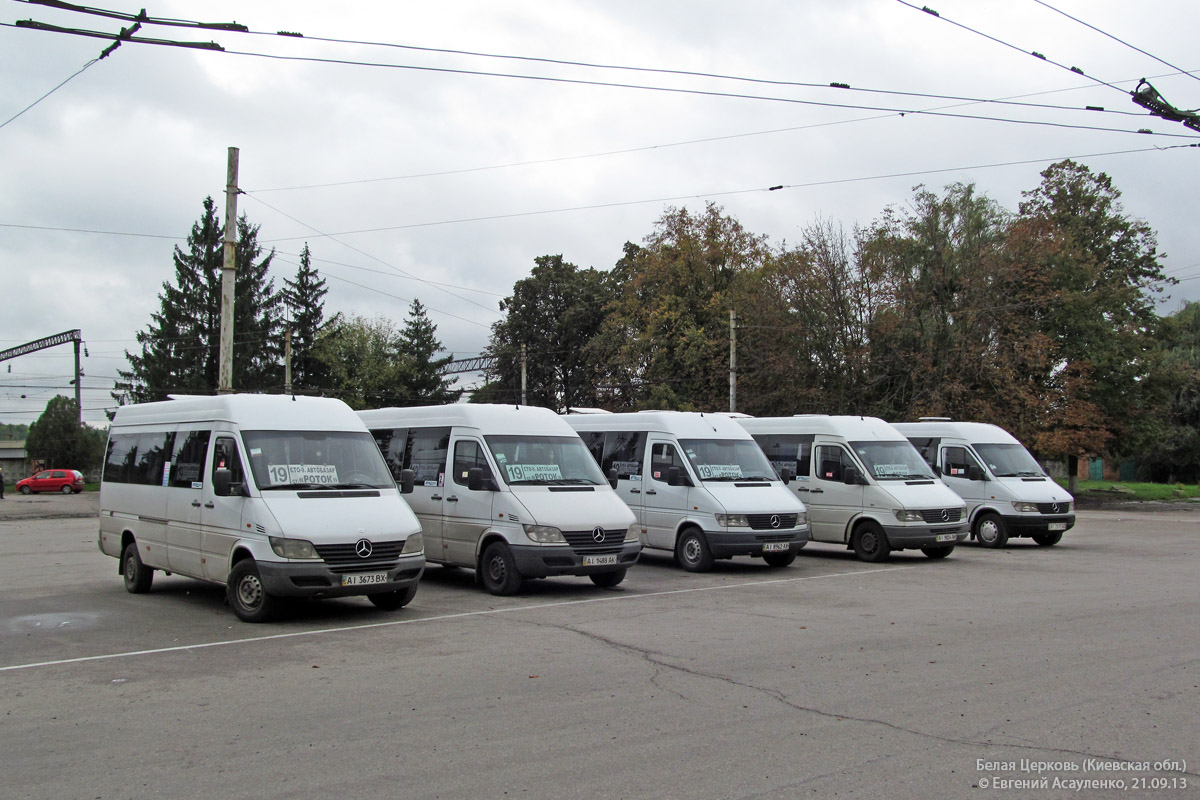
pixel 544 461
pixel 316 460
pixel 728 460
pixel 893 461
pixel 1009 461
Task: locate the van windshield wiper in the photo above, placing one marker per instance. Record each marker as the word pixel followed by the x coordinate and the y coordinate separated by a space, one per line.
pixel 297 485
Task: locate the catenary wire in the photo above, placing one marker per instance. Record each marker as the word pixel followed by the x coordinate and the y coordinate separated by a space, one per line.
pixel 47 94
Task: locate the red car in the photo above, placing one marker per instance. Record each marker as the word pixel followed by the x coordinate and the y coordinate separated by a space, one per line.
pixel 52 480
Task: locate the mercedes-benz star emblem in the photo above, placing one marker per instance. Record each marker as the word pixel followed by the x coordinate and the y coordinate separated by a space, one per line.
pixel 363 548
pixel 774 520
pixel 598 534
pixel 945 515
pixel 1054 508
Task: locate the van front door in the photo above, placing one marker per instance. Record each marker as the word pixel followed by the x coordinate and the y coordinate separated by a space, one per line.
pixel 832 503
pixel 958 465
pixel 222 516
pixel 466 514
pixel 663 505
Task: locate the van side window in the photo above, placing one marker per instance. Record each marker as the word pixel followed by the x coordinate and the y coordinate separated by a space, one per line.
pixel 787 451
pixel 154 451
pixel 832 461
pixel 957 462
pixel 594 442
pixel 468 454
pixel 225 456
pixel 623 450
pixel 189 460
pixel 663 456
pixel 392 444
pixel 120 446
pixel 927 447
pixel 425 453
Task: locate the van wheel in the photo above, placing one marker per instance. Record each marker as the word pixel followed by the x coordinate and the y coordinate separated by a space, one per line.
pixel 138 576
pixel 990 531
pixel 1048 539
pixel 779 559
pixel 608 579
pixel 691 551
pixel 247 596
pixel 499 570
pixel 390 601
pixel 938 551
pixel 870 543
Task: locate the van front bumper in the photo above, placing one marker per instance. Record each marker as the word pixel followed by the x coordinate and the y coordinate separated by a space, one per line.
pixel 727 544
pixel 545 561
pixel 316 579
pixel 1029 524
pixel 905 537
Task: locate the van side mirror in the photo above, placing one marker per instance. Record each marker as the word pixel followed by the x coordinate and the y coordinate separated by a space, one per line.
pixel 974 473
pixel 850 477
pixel 787 476
pixel 407 479
pixel 612 477
pixel 675 477
pixel 222 480
pixel 477 483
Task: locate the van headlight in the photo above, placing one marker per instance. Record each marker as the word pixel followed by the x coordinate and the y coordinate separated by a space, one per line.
pixel 1025 508
pixel 802 518
pixel 732 520
pixel 634 533
pixel 413 544
pixel 293 548
pixel 544 534
pixel 908 515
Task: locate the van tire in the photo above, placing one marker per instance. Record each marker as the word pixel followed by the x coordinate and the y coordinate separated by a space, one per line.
pixel 247 597
pixel 779 559
pixel 990 531
pixel 498 570
pixel 938 551
pixel 1048 539
pixel 870 543
pixel 392 601
pixel 137 575
pixel 608 580
pixel 691 551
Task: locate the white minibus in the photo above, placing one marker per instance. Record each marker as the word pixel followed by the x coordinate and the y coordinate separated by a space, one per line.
pixel 865 486
pixel 1008 494
pixel 273 496
pixel 509 491
pixel 700 486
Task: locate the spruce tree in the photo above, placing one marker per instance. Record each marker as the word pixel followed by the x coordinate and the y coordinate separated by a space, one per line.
pixel 421 371
pixel 305 299
pixel 180 350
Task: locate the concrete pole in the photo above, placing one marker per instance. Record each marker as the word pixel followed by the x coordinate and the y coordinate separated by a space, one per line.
pixel 78 382
pixel 228 276
pixel 287 361
pixel 732 361
pixel 524 401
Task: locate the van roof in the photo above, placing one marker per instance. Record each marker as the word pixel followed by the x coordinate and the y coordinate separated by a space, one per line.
pixel 974 432
pixel 850 428
pixel 247 411
pixel 684 424
pixel 487 417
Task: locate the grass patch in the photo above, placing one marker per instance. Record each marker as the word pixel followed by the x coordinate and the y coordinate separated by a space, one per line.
pixel 1117 490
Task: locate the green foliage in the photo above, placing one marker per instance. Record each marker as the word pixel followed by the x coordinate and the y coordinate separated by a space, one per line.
pixel 556 313
pixel 304 298
pixel 180 351
pixel 421 379
pixel 58 440
pixel 13 433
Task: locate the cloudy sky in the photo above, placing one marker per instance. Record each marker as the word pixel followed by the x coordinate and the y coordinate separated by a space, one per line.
pixel 416 165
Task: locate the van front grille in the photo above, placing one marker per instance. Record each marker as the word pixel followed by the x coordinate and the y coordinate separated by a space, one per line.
pixel 766 522
pixel 1054 508
pixel 586 541
pixel 936 515
pixel 345 558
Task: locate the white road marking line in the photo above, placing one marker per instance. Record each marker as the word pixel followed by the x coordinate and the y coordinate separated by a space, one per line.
pixel 440 618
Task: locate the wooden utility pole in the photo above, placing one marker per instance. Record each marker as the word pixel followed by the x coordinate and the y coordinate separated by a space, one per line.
pixel 229 275
pixel 287 361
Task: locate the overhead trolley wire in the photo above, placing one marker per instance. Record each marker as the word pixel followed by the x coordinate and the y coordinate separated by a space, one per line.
pixel 1117 39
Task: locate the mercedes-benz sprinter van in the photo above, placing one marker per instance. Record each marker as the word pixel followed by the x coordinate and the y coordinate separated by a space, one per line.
pixel 865 486
pixel 273 496
pixel 1007 492
pixel 509 491
pixel 700 486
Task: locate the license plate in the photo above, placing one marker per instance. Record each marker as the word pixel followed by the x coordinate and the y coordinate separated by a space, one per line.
pixel 1058 526
pixel 364 579
pixel 947 537
pixel 772 547
pixel 599 561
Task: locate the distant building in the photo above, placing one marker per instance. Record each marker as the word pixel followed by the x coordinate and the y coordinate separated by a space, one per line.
pixel 14 461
